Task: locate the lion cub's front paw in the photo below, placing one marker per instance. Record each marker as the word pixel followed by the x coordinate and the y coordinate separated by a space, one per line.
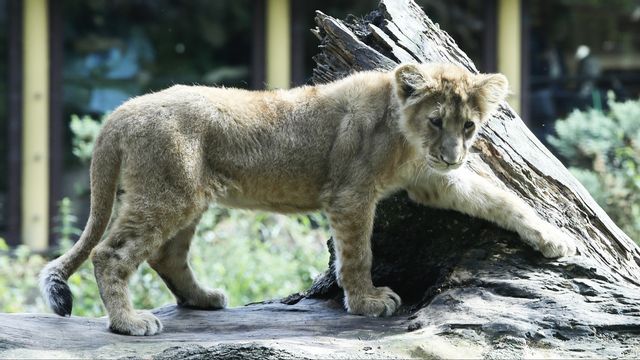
pixel 377 301
pixel 554 243
pixel 143 323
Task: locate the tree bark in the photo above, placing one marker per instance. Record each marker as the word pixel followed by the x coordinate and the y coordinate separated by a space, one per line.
pixel 470 289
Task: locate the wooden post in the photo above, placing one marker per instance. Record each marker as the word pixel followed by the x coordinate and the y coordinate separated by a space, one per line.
pixel 509 51
pixel 278 44
pixel 35 138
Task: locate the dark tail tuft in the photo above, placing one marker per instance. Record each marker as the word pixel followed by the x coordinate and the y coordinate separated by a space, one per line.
pixel 56 292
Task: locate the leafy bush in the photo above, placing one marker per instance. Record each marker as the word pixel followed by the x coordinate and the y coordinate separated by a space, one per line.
pixel 84 129
pixel 19 279
pixel 602 149
pixel 251 255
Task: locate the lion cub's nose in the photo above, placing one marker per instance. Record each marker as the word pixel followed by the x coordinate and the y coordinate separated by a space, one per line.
pixel 450 157
pixel 446 161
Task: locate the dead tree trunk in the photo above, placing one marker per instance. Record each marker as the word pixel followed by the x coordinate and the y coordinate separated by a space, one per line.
pixel 464 277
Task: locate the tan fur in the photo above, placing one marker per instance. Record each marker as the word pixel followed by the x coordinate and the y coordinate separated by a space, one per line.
pixel 338 147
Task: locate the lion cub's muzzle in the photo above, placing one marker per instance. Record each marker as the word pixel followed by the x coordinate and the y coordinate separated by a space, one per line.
pixel 449 158
pixel 440 164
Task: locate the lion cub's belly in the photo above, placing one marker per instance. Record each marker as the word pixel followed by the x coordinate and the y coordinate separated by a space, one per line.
pixel 282 197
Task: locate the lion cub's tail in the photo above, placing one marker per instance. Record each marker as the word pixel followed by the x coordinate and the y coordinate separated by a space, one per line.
pixel 105 169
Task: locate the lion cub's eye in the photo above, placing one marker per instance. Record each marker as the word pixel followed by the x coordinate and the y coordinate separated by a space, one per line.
pixel 437 122
pixel 469 124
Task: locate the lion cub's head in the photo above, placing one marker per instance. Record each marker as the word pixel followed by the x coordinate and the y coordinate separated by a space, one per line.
pixel 443 106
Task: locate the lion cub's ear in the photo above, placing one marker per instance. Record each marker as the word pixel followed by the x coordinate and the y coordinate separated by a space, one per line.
pixel 492 89
pixel 411 81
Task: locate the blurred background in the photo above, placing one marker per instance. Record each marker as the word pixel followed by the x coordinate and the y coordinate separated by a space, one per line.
pixel 574 68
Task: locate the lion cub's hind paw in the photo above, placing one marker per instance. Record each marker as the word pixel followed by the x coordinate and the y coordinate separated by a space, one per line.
pixel 213 299
pixel 143 324
pixel 380 301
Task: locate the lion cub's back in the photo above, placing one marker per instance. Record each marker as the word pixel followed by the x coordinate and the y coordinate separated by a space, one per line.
pixel 255 144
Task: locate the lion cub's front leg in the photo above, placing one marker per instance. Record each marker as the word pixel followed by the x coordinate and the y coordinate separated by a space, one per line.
pixel 351 221
pixel 469 193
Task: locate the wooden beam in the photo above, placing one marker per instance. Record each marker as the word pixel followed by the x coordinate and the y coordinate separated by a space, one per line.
pixel 278 45
pixel 35 137
pixel 509 49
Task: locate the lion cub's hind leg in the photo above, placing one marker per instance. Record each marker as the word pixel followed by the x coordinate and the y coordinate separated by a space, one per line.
pixel 172 264
pixel 115 259
pixel 140 229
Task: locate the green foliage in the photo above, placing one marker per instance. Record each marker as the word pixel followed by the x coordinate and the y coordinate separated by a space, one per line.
pixel 66 228
pixel 258 255
pixel 602 150
pixel 253 256
pixel 85 130
pixel 19 279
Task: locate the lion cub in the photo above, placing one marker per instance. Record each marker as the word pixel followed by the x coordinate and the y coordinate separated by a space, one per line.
pixel 339 147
